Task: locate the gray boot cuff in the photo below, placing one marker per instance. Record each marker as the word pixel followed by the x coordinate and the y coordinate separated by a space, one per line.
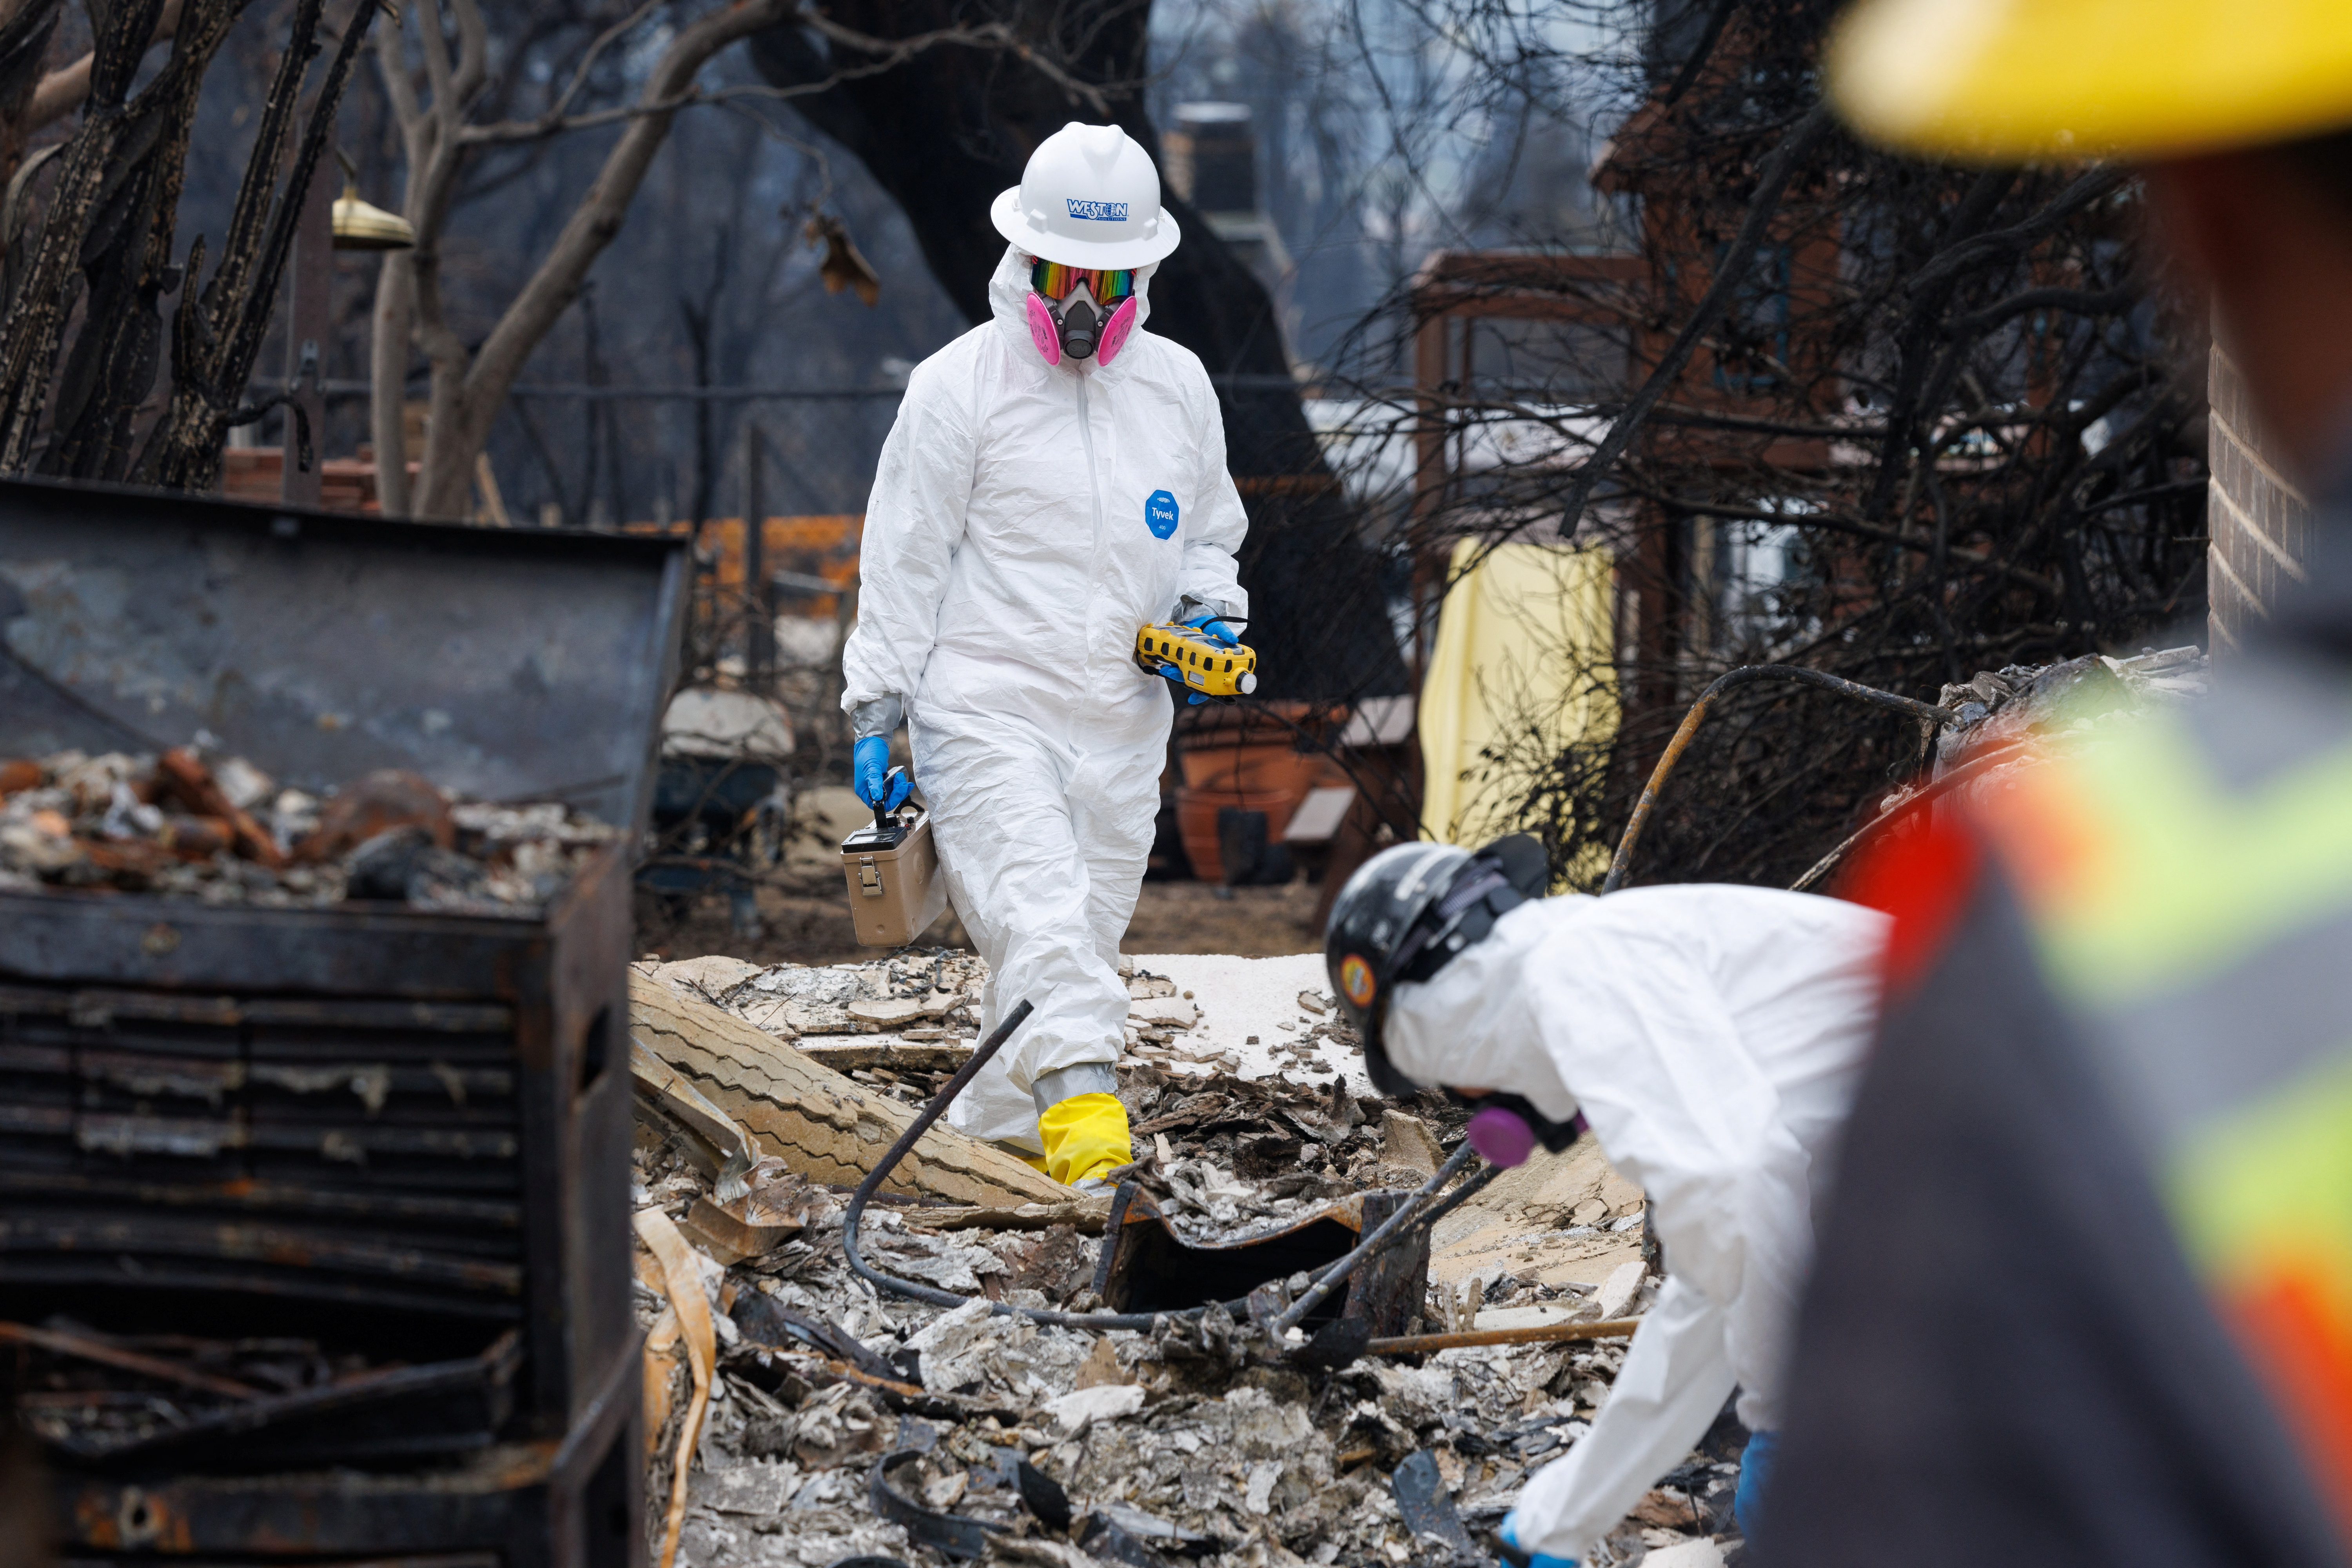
pixel 1051 1089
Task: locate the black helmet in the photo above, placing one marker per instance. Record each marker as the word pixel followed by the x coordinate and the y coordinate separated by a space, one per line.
pixel 1406 912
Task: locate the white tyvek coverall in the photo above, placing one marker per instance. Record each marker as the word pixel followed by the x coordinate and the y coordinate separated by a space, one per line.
pixel 1007 565
pixel 1713 1036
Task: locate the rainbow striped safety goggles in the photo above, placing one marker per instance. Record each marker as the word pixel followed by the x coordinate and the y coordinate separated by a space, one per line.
pixel 1057 282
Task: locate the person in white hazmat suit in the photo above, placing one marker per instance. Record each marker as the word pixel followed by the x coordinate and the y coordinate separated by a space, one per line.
pixel 1055 481
pixel 1709 1036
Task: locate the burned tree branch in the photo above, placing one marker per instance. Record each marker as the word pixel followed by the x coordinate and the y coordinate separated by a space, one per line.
pixel 220 332
pixel 1890 422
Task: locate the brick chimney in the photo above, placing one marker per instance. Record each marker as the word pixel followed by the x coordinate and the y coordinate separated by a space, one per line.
pixel 1212 163
pixel 1213 157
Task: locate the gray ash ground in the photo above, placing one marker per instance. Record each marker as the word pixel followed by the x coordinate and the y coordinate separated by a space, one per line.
pixel 1203 1439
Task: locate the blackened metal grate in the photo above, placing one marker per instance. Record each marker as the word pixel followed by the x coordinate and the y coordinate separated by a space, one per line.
pixel 398 1134
pixel 353 1149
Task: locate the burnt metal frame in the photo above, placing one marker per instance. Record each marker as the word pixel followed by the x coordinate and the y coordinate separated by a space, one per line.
pixel 564 979
pixel 571 1500
pixel 253 593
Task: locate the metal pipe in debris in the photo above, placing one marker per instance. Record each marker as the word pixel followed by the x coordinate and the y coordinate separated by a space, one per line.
pixel 1534 1334
pixel 1967 772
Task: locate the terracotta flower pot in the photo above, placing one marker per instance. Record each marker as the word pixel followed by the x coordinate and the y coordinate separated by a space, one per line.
pixel 1196 821
pixel 1256 767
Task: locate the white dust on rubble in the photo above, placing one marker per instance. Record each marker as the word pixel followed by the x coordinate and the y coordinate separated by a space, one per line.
pixel 1186 1013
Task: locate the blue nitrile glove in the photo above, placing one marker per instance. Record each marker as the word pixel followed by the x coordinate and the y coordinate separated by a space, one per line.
pixel 869 773
pixel 1509 1532
pixel 1216 628
pixel 1755 1476
pixel 1191 699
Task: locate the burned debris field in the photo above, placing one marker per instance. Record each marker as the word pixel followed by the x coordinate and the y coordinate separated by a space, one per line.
pixel 1185 785
pixel 843 1421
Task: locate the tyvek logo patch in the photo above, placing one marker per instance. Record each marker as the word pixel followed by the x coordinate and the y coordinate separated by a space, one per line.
pixel 1097 212
pixel 1160 513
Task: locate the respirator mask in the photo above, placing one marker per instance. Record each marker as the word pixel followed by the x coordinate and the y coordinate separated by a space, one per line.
pixel 1504 1128
pixel 1076 312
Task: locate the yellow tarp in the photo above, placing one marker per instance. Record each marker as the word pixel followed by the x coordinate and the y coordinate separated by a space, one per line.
pixel 1524 665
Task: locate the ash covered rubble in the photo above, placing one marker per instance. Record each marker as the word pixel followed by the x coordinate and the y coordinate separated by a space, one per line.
pixel 1996 705
pixel 2056 706
pixel 1286 1107
pixel 935 996
pixel 1202 1443
pixel 221 831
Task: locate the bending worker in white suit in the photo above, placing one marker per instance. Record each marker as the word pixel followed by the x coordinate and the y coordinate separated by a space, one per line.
pixel 1709 1036
pixel 1055 481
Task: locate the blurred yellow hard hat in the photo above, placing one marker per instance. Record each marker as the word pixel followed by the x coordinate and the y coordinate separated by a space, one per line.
pixel 2018 80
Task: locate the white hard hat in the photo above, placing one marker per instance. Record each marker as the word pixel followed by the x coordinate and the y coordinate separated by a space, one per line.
pixel 1089 197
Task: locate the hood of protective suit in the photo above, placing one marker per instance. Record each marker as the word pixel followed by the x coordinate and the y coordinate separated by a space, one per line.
pixel 1578 1003
pixel 1475 1022
pixel 1026 520
pixel 1008 299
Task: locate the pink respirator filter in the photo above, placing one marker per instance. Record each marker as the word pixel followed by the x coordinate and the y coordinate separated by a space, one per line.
pixel 1041 329
pixel 1501 1137
pixel 1115 331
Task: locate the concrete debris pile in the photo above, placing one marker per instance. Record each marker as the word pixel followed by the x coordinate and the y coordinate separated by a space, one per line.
pixel 222 830
pixel 900 1026
pixel 842 1422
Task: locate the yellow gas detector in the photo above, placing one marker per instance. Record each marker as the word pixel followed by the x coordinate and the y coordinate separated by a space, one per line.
pixel 1206 665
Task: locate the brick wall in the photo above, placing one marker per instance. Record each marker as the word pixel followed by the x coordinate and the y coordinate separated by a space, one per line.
pixel 2258 523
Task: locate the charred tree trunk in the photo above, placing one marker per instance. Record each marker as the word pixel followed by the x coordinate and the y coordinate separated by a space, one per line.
pixel 23 43
pixel 944 132
pixel 218 335
pixel 106 243
pixel 101 164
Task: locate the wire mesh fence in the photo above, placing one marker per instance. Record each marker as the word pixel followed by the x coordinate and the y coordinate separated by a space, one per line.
pixel 577 454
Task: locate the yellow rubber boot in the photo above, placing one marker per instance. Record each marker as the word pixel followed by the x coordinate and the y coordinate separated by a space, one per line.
pixel 1084 1135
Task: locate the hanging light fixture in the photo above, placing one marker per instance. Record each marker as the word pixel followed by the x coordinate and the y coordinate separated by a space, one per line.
pixel 362 225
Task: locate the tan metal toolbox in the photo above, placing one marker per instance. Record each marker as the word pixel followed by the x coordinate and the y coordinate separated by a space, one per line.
pixel 895 890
